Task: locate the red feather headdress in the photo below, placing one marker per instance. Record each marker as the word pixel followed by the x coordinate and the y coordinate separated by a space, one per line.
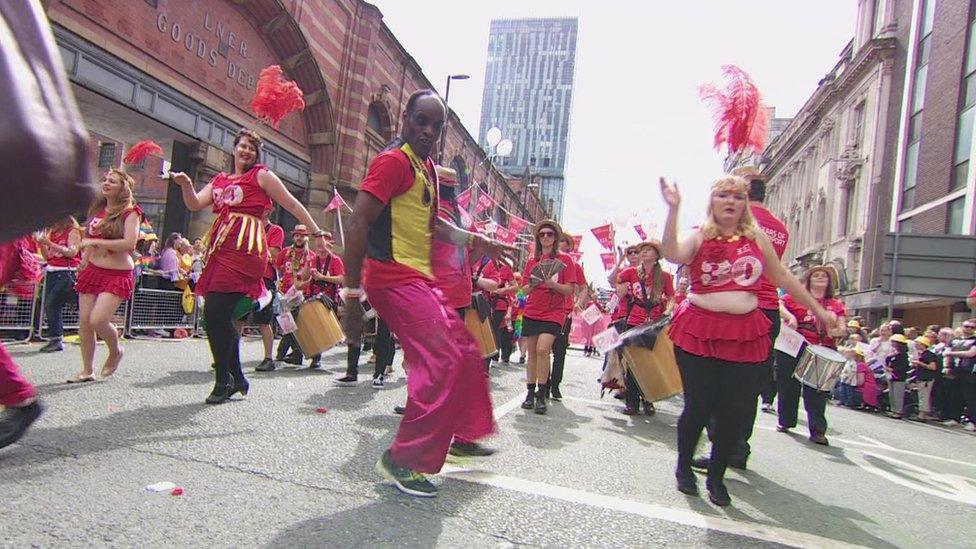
pixel 741 119
pixel 138 152
pixel 275 97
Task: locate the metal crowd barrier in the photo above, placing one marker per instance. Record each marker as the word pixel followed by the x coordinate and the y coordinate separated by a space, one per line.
pixel 17 317
pixel 69 314
pixel 153 309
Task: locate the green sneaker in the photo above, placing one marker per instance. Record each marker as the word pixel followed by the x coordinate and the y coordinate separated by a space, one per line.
pixel 406 480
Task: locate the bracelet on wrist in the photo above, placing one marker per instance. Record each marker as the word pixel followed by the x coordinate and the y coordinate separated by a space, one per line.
pixel 351 293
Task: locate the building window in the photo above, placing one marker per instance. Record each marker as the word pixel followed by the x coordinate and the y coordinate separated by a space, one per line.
pixel 857 125
pixel 967 110
pixel 954 219
pixel 106 155
pixel 918 102
pixel 905 226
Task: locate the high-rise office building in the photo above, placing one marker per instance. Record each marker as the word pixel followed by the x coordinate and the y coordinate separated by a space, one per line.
pixel 529 95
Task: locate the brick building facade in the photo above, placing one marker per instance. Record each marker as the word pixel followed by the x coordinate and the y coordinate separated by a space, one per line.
pixel 182 72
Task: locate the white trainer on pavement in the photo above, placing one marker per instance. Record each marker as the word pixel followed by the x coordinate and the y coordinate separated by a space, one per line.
pixel 378 382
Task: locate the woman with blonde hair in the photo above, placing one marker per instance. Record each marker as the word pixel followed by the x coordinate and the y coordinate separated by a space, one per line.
pixel 105 277
pixel 721 337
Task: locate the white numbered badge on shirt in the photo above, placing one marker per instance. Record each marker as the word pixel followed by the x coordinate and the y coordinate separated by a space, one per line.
pixel 287 323
pixel 607 339
pixel 591 315
pixel 789 341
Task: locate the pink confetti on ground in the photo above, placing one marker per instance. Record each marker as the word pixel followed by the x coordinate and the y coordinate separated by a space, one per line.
pixel 320 410
pixel 177 492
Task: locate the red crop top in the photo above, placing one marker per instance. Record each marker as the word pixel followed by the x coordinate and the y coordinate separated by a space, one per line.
pixel 241 194
pixel 92 225
pixel 726 265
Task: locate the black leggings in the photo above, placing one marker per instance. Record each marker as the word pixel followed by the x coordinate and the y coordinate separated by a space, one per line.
pixel 559 348
pixel 223 337
pixel 713 387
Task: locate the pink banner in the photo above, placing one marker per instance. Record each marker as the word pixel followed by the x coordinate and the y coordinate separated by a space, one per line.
pixel 640 231
pixel 505 236
pixel 608 260
pixel 464 198
pixel 485 201
pixel 517 224
pixel 576 241
pixel 604 235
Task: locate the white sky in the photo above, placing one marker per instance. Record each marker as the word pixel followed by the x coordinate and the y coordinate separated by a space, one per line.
pixel 636 112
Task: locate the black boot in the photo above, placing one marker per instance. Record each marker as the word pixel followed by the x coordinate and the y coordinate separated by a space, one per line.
pixel 15 421
pixel 686 482
pixel 220 394
pixel 530 397
pixel 717 492
pixel 540 399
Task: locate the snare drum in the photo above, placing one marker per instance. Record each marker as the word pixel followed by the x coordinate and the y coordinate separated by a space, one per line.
pixel 649 354
pixel 318 328
pixel 480 330
pixel 819 367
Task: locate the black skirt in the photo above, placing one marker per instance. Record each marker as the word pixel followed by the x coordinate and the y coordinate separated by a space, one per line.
pixel 531 327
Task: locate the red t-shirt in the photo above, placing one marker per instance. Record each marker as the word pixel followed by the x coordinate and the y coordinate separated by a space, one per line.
pixel 543 303
pixel 580 280
pixel 503 276
pixel 389 176
pixel 275 236
pixel 335 268
pixel 807 324
pixel 780 237
pixel 294 262
pixel 55 259
pixel 636 294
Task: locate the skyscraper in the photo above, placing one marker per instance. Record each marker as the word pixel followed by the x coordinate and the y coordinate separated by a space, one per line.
pixel 529 95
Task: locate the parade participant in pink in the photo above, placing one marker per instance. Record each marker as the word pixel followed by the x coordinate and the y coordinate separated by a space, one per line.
pixel 545 312
pixel 105 277
pixel 393 226
pixel 237 252
pixel 500 299
pixel 721 337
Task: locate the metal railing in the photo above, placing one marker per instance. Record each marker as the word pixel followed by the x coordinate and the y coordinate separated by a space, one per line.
pixel 17 316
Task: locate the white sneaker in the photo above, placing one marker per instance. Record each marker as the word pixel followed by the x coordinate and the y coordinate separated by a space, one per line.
pixel 970 426
pixel 378 382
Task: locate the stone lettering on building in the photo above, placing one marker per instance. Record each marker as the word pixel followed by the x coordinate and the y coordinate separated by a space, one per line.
pixel 213 42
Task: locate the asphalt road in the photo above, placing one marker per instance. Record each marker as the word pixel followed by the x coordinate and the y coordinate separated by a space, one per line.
pixel 270 471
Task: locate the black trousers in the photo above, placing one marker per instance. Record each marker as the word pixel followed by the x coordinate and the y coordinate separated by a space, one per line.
pixel 814 401
pixel 384 349
pixel 223 337
pixel 713 388
pixel 559 348
pixel 502 336
pixel 741 449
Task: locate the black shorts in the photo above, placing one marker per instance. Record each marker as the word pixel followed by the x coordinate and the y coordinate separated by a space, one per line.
pixel 531 327
pixel 265 316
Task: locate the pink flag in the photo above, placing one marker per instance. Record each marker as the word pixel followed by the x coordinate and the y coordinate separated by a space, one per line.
pixel 604 235
pixel 336 202
pixel 505 236
pixel 608 260
pixel 464 198
pixel 640 231
pixel 485 201
pixel 517 224
pixel 577 240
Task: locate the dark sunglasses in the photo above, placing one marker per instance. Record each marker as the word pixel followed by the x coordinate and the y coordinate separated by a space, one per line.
pixel 543 234
pixel 632 252
pixel 970 326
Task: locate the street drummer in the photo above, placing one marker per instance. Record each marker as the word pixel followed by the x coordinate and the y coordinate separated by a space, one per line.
pixel 721 337
pixel 545 310
pixel 567 245
pixel 648 291
pixel 821 281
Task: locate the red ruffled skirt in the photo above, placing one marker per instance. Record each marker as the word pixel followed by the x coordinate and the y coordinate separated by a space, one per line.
pixel 735 338
pixel 233 271
pixel 96 280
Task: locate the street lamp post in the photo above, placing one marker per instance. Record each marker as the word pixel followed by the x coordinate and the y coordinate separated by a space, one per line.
pixel 447 97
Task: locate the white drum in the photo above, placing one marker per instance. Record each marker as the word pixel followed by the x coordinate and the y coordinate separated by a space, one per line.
pixel 819 367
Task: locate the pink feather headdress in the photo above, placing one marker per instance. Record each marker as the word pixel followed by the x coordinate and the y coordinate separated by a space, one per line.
pixel 275 97
pixel 741 118
pixel 138 152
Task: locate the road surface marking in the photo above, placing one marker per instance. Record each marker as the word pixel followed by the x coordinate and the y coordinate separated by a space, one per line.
pixel 686 517
pixel 946 486
pixel 508 407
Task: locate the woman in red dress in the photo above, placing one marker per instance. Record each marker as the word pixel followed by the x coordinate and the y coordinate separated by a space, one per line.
pixel 649 291
pixel 237 252
pixel 105 274
pixel 721 337
pixel 820 281
pixel 545 312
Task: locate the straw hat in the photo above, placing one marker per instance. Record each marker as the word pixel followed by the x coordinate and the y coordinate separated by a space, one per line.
pixel 922 340
pixel 829 269
pixel 551 223
pixel 300 229
pixel 446 176
pixel 854 324
pixel 656 244
pixel 747 172
pixel 899 338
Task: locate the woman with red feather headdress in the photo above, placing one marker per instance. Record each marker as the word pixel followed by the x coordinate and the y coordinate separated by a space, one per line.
pixel 237 252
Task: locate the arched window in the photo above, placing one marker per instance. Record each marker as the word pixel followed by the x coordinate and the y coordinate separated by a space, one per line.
pixel 374 120
pixel 821 220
